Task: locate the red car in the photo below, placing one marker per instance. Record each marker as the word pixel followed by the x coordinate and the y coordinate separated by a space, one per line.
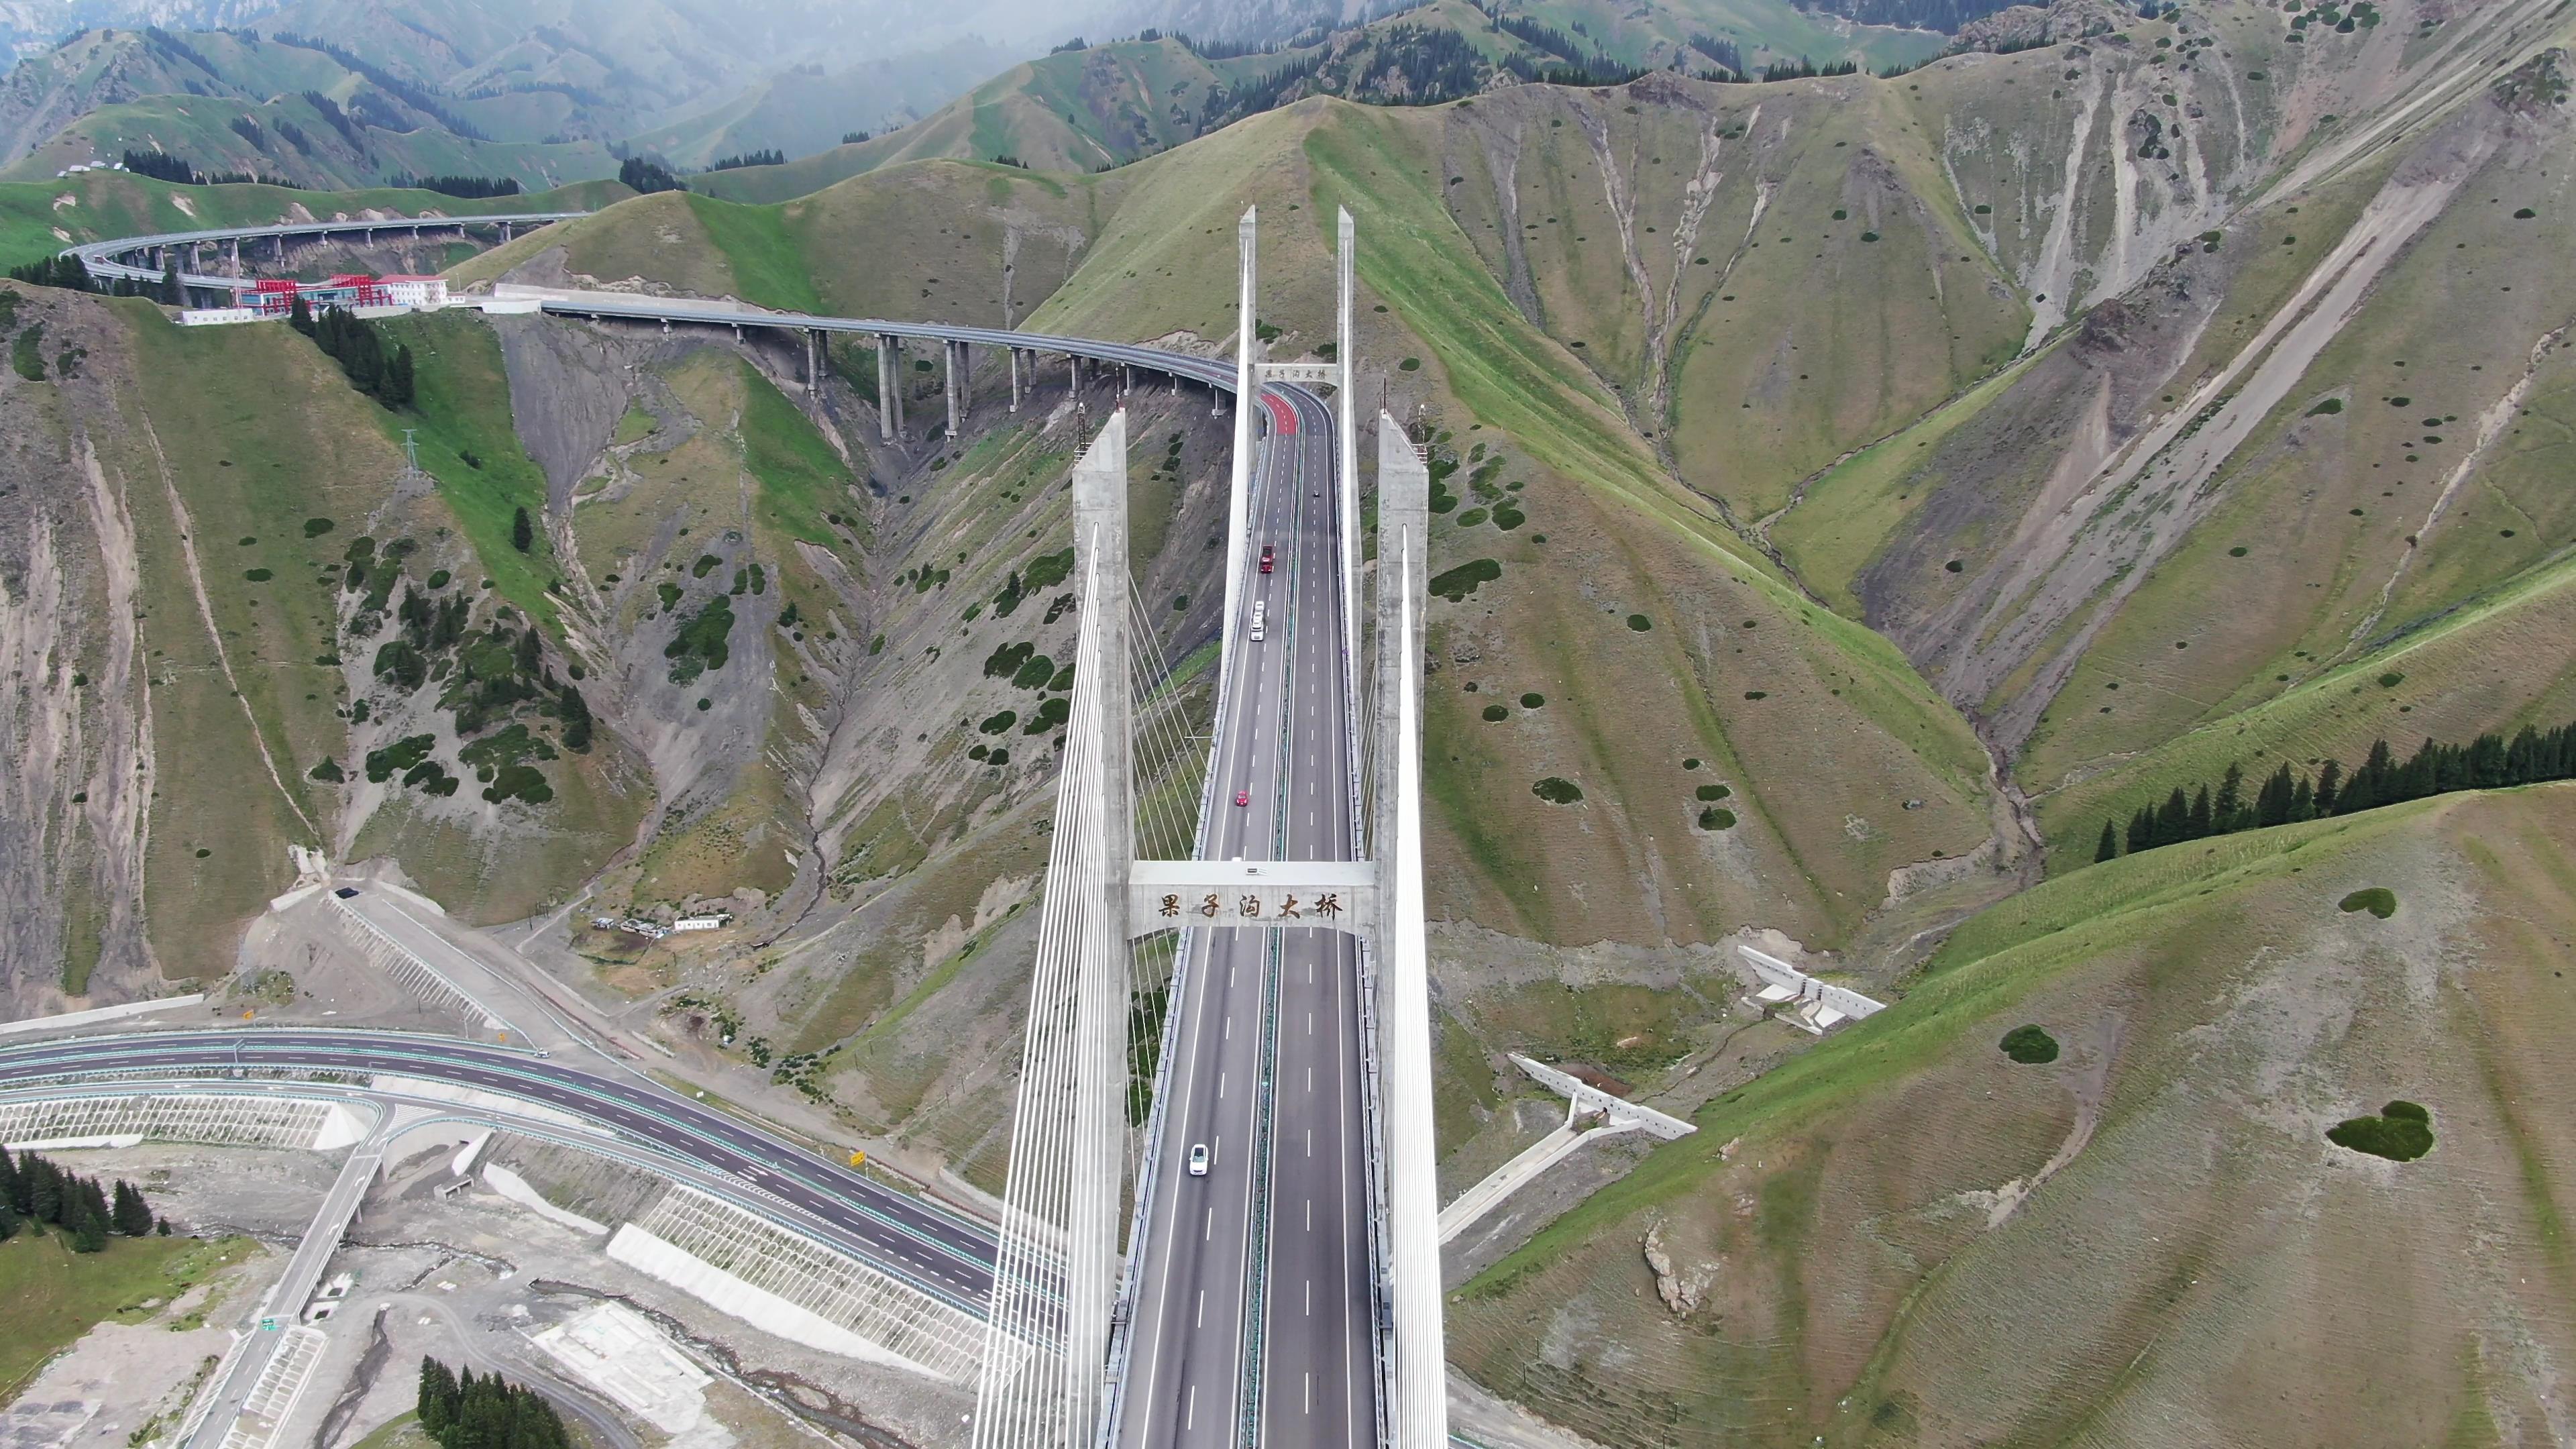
pixel 1265 558
pixel 1242 797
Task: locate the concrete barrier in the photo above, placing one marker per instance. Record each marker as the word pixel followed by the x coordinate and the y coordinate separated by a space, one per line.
pixel 68 1020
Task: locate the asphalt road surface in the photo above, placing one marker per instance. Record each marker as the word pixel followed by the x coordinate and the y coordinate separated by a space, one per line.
pixel 1208 1323
pixel 946 1255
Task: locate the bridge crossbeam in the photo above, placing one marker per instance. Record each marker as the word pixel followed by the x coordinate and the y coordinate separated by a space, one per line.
pixel 1279 895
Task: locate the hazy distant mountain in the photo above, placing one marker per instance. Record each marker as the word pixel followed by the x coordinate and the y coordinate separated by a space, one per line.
pixel 31 27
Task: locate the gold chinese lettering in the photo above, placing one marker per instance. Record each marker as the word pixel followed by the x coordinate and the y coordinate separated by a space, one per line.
pixel 1208 907
pixel 1329 904
pixel 1288 911
pixel 1171 905
pixel 1250 906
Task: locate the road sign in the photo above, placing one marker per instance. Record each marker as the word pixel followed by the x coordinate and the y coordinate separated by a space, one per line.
pixel 858 1158
pixel 268 1325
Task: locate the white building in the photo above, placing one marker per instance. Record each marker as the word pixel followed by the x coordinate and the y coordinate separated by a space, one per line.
pixel 413 291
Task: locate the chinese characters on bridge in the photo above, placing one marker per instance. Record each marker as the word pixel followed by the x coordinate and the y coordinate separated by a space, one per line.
pixel 1249 908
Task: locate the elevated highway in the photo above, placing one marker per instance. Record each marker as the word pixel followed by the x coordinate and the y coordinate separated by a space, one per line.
pixel 945 1254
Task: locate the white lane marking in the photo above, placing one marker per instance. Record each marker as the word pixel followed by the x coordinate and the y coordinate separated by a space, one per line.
pixel 1192 1420
pixel 1310 1142
pixel 1220 1086
pixel 1229 1028
pixel 1202 1323
pixel 1210 1230
pixel 1310 1387
pixel 1310 1227
pixel 1310 1079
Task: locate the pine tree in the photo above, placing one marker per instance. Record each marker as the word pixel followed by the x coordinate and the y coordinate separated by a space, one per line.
pixel 172 290
pixel 89 1235
pixel 438 1393
pixel 45 1196
pixel 2329 785
pixel 397 390
pixel 2173 822
pixel 161 1226
pixel 2196 825
pixel 130 1215
pixel 2230 803
pixel 2109 849
pixel 2272 807
pixel 299 314
pixel 2142 829
pixel 522 532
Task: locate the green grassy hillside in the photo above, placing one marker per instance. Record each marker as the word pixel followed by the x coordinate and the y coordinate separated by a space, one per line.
pixel 1903 1236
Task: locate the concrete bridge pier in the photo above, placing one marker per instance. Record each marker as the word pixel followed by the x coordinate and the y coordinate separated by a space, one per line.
pixel 1074 362
pixel 1015 379
pixel 813 361
pixel 505 233
pixel 890 385
pixel 953 380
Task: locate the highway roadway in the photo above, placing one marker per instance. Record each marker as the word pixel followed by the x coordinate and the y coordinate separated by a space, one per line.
pixel 100 258
pixel 1214 1338
pixel 948 1256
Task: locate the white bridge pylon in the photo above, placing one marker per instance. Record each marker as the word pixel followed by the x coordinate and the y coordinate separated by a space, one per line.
pixel 1056 1352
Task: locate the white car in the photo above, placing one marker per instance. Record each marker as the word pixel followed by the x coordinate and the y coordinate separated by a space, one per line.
pixel 1198 1159
pixel 1260 622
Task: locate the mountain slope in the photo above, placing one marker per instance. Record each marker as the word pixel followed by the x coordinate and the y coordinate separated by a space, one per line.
pixel 1905 1237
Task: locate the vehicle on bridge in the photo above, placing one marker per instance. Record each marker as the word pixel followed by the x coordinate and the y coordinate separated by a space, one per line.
pixel 1267 558
pixel 1260 622
pixel 1198 1159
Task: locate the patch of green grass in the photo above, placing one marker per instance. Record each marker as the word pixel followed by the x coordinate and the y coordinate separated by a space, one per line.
pixel 55 1295
pixel 2029 1045
pixel 2380 901
pixel 402 1431
pixel 1557 790
pixel 801 479
pixel 462 409
pixel 769 264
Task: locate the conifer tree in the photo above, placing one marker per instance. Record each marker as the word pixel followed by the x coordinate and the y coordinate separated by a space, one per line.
pixel 130 1215
pixel 522 532
pixel 2109 849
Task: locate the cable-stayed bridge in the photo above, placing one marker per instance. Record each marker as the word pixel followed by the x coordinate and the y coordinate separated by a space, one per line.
pixel 1221 1223
pixel 1232 941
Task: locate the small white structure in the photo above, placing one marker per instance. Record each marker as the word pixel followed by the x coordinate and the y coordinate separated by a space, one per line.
pixel 1809 1004
pixel 701 923
pixel 217 316
pixel 427 293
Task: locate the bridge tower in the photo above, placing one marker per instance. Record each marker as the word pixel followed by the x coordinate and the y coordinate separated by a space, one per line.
pixel 1058 1348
